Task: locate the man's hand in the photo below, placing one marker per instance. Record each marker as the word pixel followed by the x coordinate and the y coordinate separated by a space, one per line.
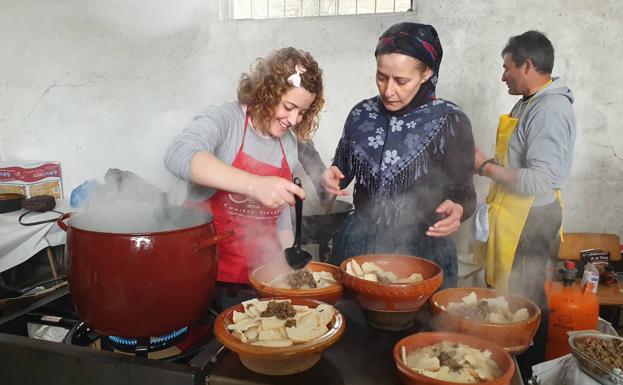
pixel 479 158
pixel 451 213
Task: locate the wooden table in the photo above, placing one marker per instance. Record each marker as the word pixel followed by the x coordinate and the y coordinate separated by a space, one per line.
pixel 610 303
pixel 609 295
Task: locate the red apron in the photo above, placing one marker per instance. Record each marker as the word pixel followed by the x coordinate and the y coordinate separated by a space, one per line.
pixel 255 239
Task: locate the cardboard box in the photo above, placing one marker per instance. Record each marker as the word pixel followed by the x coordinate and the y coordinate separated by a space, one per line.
pixel 31 178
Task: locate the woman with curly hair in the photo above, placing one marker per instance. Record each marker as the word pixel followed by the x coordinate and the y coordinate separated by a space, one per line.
pixel 410 155
pixel 238 158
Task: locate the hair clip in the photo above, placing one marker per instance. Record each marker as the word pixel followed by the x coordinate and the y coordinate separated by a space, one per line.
pixel 295 78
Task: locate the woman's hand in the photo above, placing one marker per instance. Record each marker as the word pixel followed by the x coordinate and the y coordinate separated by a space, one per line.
pixel 274 191
pixel 331 181
pixel 451 213
pixel 479 158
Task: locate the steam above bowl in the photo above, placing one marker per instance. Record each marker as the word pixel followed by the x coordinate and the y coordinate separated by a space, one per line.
pixel 514 337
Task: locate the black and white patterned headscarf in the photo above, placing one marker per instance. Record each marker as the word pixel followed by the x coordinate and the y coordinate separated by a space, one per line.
pixel 419 41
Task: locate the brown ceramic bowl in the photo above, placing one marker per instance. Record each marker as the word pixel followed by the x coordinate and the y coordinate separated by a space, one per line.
pixel 264 274
pixel 393 306
pixel 513 337
pixel 279 361
pixel 421 340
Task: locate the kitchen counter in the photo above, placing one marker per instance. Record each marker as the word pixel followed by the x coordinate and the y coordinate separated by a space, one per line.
pixel 363 356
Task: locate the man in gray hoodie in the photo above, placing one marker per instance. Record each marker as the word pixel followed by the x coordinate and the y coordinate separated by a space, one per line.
pixel 533 156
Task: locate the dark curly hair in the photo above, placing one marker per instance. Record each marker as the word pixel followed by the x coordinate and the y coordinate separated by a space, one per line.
pixel 266 82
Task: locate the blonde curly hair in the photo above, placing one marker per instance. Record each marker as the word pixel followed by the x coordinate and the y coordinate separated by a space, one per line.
pixel 266 82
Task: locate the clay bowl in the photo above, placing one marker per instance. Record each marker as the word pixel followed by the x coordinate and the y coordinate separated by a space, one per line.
pixel 515 338
pixel 263 274
pixel 284 360
pixel 393 306
pixel 409 376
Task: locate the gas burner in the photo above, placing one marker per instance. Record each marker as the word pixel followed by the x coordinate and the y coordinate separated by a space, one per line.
pixel 131 345
pixel 177 346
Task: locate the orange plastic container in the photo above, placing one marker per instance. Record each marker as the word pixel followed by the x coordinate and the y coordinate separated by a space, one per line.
pixel 571 307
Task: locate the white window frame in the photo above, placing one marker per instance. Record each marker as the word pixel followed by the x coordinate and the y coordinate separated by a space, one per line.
pixel 226 11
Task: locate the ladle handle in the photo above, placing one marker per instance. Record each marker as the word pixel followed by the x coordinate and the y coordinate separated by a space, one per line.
pixel 298 211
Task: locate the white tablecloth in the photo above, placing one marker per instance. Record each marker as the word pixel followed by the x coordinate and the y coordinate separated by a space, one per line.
pixel 18 243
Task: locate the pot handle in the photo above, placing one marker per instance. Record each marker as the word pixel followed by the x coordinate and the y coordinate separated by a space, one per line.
pixel 212 240
pixel 61 221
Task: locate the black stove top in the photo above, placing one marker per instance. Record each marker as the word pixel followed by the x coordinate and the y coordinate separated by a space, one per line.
pixel 84 357
pixel 362 356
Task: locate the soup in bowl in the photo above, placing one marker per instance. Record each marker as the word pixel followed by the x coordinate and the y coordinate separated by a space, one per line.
pixel 391 305
pixel 449 358
pixel 318 281
pixel 279 336
pixel 509 320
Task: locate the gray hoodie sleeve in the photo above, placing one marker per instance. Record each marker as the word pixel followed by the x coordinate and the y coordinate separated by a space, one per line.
pixel 549 132
pixel 205 132
pixel 219 131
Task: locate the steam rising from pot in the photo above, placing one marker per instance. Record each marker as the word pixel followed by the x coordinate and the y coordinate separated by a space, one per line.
pixel 126 203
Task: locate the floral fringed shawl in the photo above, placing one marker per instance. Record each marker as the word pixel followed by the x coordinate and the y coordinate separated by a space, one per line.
pixel 386 154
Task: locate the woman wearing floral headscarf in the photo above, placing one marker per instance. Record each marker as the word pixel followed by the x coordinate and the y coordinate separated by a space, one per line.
pixel 410 155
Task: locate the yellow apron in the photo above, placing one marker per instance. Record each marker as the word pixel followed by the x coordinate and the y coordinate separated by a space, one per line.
pixel 507 215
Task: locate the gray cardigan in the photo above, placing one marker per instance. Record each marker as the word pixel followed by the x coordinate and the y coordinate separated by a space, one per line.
pixel 219 130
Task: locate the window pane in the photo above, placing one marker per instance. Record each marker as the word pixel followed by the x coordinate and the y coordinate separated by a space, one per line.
pixel 347 7
pixel 241 9
pixel 383 6
pixel 328 7
pixel 365 6
pixel 311 7
pixel 275 9
pixel 403 5
pixel 260 10
pixel 292 8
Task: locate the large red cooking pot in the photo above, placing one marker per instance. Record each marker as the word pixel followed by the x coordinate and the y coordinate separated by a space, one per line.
pixel 141 283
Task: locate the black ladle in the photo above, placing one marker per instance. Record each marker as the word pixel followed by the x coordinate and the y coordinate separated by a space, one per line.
pixel 296 257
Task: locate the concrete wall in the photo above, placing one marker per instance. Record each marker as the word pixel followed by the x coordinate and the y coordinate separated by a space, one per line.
pixel 109 83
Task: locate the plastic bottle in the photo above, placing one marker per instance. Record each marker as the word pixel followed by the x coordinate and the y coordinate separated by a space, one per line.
pixel 571 307
pixel 591 274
